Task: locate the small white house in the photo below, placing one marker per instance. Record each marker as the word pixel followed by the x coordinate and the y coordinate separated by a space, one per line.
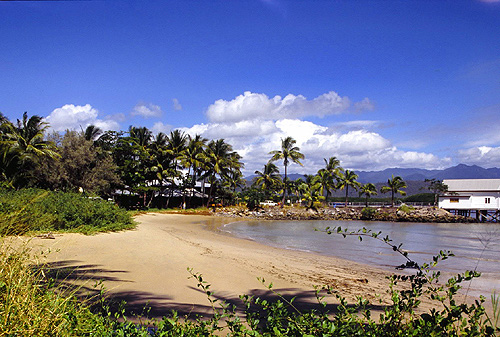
pixel 467 196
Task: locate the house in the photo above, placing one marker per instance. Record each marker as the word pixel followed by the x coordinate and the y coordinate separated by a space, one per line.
pixel 478 198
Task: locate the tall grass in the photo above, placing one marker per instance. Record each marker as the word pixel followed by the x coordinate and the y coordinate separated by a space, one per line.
pixel 30 306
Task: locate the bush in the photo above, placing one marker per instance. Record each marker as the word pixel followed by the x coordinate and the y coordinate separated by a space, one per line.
pixel 38 210
pixel 405 208
pixel 368 213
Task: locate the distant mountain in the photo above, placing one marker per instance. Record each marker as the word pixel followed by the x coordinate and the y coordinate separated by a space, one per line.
pixel 415 177
pixel 460 171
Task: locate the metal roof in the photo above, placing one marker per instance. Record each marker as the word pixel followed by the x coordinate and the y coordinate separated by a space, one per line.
pixel 472 185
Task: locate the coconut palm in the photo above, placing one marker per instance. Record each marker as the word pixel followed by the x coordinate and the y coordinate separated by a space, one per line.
pixel 268 179
pixel 327 183
pixel 220 159
pixel 394 185
pixel 176 144
pixel 23 146
pixel 367 190
pixel 92 132
pixel 346 179
pixel 289 152
pixel 311 191
pixel 332 165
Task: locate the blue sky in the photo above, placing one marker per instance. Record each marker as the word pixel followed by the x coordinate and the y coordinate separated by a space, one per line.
pixel 375 83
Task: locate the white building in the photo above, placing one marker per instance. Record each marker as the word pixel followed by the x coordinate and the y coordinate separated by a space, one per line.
pixel 479 197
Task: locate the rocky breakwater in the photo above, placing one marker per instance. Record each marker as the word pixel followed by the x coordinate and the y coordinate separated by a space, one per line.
pixel 403 214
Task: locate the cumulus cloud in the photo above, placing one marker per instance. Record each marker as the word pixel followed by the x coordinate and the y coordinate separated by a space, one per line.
pixel 146 110
pixel 485 156
pixel 177 106
pixel 356 149
pixel 160 127
pixel 75 117
pixel 253 105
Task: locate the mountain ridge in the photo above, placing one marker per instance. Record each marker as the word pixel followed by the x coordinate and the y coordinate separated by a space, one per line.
pixel 460 171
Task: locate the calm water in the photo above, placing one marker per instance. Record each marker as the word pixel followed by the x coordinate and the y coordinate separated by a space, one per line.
pixel 474 245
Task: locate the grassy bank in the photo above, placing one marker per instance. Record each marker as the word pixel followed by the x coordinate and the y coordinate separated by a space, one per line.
pixel 34 210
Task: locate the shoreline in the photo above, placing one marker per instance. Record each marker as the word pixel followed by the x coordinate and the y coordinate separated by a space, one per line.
pixel 148 266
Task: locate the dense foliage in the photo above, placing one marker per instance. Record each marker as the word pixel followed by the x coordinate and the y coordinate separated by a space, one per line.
pixel 144 170
pixel 156 168
pixel 47 211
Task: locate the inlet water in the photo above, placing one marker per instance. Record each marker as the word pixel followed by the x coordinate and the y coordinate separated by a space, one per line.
pixel 476 246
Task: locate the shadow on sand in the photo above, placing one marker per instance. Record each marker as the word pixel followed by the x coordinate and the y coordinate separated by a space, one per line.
pixel 86 282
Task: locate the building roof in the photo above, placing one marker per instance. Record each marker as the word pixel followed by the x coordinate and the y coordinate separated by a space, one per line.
pixel 472 185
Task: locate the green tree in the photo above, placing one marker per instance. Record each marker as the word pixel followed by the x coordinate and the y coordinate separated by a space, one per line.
pixel 194 158
pixel 220 160
pixel 394 185
pixel 437 187
pixel 367 190
pixel 311 191
pixel 332 165
pixel 326 181
pixel 81 164
pixel 92 132
pixel 346 179
pixel 269 179
pixel 23 147
pixel 289 152
pixel 135 164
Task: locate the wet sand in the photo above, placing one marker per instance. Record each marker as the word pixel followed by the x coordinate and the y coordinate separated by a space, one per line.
pixel 148 266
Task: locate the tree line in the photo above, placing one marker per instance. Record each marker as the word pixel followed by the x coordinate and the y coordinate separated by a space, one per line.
pixel 103 162
pixel 318 187
pixel 161 167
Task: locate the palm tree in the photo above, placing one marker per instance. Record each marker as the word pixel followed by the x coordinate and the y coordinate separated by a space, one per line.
pixel 332 165
pixel 268 179
pixel 23 147
pixel 176 144
pixel 220 159
pixel 394 185
pixel 325 178
pixel 346 179
pixel 310 190
pixel 289 152
pixel 367 190
pixel 140 135
pixel 91 132
pixel 193 158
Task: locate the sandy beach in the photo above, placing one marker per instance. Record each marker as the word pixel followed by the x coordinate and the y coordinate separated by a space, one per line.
pixel 148 266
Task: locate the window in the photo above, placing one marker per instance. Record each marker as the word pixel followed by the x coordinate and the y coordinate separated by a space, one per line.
pixel 453 200
pixel 487 200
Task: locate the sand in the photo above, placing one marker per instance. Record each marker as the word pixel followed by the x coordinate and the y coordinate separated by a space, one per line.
pixel 148 265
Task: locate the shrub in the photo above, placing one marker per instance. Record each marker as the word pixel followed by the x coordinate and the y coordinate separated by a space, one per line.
pixel 368 213
pixel 39 210
pixel 405 208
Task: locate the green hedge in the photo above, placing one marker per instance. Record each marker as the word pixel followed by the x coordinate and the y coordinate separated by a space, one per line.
pixel 46 211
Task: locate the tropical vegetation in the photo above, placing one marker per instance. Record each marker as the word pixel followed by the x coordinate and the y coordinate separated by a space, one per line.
pixel 394 185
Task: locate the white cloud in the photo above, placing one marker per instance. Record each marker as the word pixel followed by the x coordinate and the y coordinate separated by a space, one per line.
pixel 160 127
pixel 253 105
pixel 146 110
pixel 484 156
pixel 76 117
pixel 356 149
pixel 177 105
